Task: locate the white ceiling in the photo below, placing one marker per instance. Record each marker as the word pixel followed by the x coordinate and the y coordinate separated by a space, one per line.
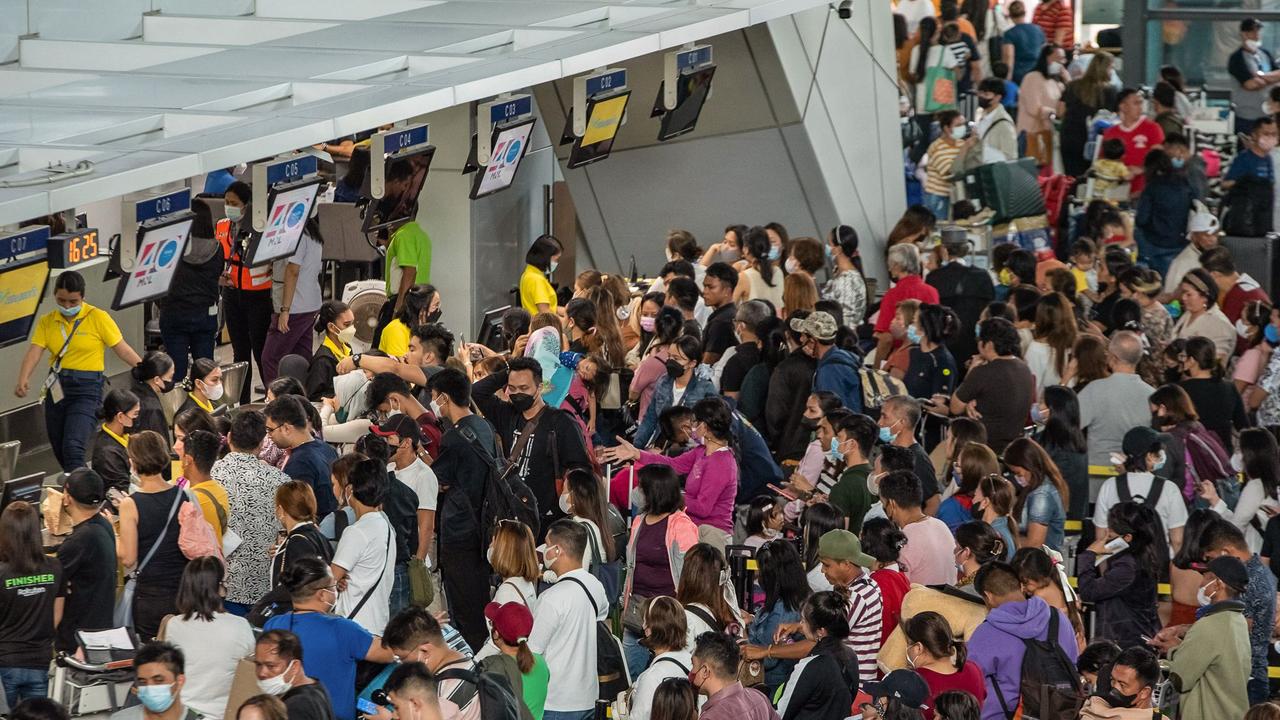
pixel 197 93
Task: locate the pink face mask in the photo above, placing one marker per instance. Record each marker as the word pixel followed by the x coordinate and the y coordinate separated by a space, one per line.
pixel 647 324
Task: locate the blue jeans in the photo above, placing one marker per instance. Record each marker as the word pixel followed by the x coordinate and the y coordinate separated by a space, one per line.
pixel 22 683
pixel 184 333
pixel 400 589
pixel 638 656
pixel 562 715
pixel 237 609
pixel 939 205
pixel 70 423
pixel 1258 690
pixel 1156 257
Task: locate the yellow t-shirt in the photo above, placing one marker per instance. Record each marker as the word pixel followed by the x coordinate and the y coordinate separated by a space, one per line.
pixel 86 351
pixel 1082 279
pixel 534 289
pixel 203 491
pixel 395 339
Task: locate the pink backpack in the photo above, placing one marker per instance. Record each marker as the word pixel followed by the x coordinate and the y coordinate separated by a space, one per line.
pixel 196 537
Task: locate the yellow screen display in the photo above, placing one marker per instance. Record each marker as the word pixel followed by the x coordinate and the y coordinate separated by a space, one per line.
pixel 604 120
pixel 20 291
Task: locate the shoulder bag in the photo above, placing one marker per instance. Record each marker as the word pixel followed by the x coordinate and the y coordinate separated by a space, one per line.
pixel 360 605
pixel 123 616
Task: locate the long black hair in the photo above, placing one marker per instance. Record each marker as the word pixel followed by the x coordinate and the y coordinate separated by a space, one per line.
pixel 928 28
pixel 758 244
pixel 1143 525
pixel 1192 550
pixel 782 576
pixel 1063 428
pixel 1261 459
pixel 817 520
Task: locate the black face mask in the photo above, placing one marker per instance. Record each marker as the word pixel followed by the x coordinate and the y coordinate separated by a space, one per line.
pixel 434 316
pixel 167 386
pixel 986 103
pixel 809 423
pixel 521 402
pixel 675 368
pixel 976 511
pixel 1117 699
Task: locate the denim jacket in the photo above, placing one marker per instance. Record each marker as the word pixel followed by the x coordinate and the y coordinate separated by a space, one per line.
pixel 698 388
pixel 760 632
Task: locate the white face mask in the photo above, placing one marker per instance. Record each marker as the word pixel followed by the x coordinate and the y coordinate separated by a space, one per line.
pixel 488 556
pixel 277 685
pixel 566 505
pixel 1055 69
pixel 213 391
pixel 1252 45
pixel 1237 462
pixel 234 213
pixel 1203 597
pixel 347 334
pixel 873 483
pixel 791 265
pixel 958 132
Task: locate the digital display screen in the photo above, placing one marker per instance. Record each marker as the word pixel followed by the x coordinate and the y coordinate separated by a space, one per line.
pixel 286 217
pixel 604 117
pixel 691 94
pixel 399 203
pixel 160 249
pixel 509 146
pixel 71 249
pixel 21 288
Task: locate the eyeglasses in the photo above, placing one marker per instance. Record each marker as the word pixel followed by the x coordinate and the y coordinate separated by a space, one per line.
pixel 272 429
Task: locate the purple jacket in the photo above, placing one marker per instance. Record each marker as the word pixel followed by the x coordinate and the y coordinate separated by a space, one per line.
pixel 996 646
pixel 710 486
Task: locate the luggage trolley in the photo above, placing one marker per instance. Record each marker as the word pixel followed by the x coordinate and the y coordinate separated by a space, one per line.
pixel 100 682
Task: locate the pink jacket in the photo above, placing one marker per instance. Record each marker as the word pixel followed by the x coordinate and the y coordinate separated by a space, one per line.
pixel 710 486
pixel 682 534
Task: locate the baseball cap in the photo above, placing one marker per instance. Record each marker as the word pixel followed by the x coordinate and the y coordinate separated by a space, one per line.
pixel 1139 441
pixel 844 545
pixel 85 487
pixel 1202 222
pixel 400 425
pixel 1231 572
pixel 818 324
pixel 905 685
pixel 512 621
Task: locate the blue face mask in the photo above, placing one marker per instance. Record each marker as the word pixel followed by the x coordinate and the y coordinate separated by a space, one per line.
pixel 70 312
pixel 887 435
pixel 156 698
pixel 1178 163
pixel 977 331
pixel 834 450
pixel 1157 465
pixel 775 252
pixel 830 250
pixel 913 336
pixel 1271 334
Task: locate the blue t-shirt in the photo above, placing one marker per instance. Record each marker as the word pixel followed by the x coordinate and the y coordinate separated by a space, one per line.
pixel 1044 506
pixel 331 645
pixel 311 463
pixel 1249 164
pixel 1027 39
pixel 1010 99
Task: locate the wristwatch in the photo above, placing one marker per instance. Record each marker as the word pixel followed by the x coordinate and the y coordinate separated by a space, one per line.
pixel 356 359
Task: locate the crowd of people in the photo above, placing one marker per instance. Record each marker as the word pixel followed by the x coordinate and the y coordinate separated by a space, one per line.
pixel 746 488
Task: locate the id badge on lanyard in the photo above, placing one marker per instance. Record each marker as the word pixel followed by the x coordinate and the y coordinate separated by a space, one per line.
pixel 52 385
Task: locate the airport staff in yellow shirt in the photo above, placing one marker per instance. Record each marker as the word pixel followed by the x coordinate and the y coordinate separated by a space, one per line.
pixel 76 335
pixel 536 293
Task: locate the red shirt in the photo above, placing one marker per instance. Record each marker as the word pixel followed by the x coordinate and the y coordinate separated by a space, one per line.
pixel 1242 293
pixel 968 679
pixel 908 287
pixel 1055 16
pixel 1138 141
pixel 893 587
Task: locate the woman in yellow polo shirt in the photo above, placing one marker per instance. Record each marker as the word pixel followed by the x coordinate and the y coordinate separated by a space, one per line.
pixel 421 306
pixel 536 293
pixel 204 386
pixel 336 325
pixel 76 335
pixel 111 448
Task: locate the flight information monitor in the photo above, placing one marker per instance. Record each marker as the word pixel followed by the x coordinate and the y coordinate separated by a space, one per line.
pixel 604 117
pixel 288 209
pixel 21 287
pixel 691 94
pixel 509 146
pixel 405 176
pixel 160 250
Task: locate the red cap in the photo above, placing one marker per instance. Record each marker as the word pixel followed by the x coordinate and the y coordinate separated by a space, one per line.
pixel 401 426
pixel 512 620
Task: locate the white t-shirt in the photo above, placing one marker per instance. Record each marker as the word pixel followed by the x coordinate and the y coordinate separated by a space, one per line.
pixel 1170 508
pixel 817 581
pixel 564 634
pixel 1252 505
pixel 367 551
pixel 212 649
pixel 928 558
pixel 309 258
pixel 695 625
pixel 663 666
pixel 511 590
pixel 588 555
pixel 419 476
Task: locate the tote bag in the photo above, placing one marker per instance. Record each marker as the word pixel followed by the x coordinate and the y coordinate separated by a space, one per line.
pixel 939 85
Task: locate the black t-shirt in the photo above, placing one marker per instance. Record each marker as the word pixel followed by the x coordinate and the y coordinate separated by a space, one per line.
pixel 930 373
pixel 26 614
pixel 309 701
pixel 718 336
pixel 1219 406
pixel 88 559
pixel 736 368
pixel 924 472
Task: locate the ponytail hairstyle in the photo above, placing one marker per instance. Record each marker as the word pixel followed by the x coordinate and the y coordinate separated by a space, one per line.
pixel 938 323
pixel 846 238
pixel 1143 525
pixel 1205 354
pixel 330 311
pixel 116 402
pixel 932 630
pixel 882 540
pixel 1000 493
pixel 982 540
pixel 154 364
pixel 1035 565
pixel 200 369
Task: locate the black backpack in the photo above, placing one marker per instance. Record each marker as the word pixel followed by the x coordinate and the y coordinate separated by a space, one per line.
pixel 1050 687
pixel 611 662
pixel 506 497
pixel 1150 500
pixel 497 699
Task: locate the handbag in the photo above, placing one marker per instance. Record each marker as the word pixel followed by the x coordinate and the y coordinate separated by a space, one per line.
pixel 939 86
pixel 633 613
pixel 750 672
pixel 1040 147
pixel 422 588
pixel 123 616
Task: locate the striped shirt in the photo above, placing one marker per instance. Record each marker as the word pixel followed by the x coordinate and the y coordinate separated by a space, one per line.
pixel 942 156
pixel 865 608
pixel 1054 16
